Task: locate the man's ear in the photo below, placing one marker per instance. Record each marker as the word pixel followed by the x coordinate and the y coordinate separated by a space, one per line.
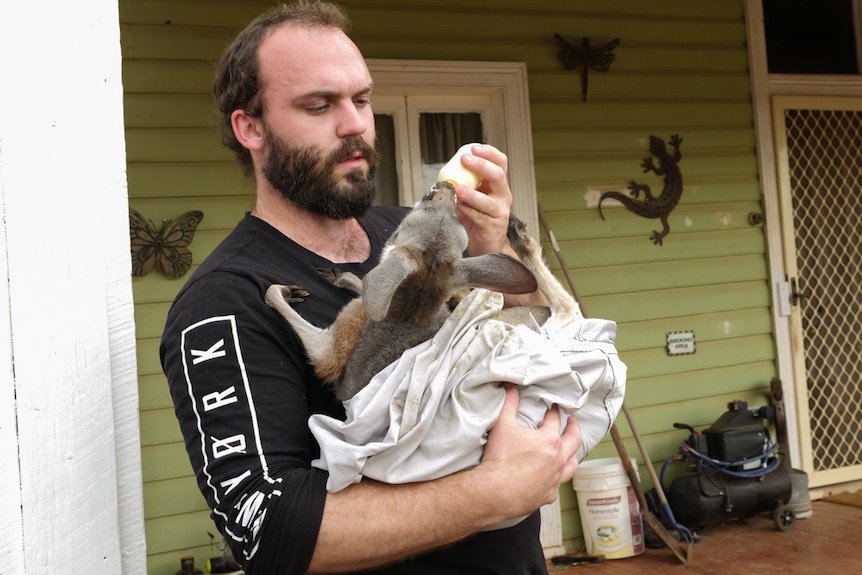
pixel 248 130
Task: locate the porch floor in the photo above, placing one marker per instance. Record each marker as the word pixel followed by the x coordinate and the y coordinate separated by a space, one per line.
pixel 827 543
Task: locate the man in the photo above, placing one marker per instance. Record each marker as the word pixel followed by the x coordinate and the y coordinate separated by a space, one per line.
pixel 295 94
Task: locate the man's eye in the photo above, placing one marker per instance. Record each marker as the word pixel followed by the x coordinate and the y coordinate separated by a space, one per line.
pixel 318 109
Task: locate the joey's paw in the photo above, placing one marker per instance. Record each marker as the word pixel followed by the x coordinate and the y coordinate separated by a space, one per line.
pixel 349 282
pixel 281 293
pixel 519 239
pixel 294 293
pixel 343 280
pixel 330 274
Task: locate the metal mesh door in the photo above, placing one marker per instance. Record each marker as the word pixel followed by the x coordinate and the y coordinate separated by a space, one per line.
pixel 824 153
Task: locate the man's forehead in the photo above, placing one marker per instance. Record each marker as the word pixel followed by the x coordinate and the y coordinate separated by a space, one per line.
pixel 312 60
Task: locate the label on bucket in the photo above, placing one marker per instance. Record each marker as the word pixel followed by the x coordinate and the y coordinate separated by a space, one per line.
pixel 612 522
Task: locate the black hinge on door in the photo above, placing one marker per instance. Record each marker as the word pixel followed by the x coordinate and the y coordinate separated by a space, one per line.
pixel 795 293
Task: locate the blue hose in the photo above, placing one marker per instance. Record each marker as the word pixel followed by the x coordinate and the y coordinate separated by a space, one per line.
pixel 768 462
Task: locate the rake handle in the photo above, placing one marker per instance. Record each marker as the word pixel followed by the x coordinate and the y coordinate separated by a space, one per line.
pixel 682 553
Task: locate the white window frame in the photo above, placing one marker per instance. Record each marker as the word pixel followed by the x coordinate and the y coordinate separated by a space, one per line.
pixel 498 91
pixel 406 88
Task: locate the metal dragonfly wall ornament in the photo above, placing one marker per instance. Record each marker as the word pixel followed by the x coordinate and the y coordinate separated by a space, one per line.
pixel 585 56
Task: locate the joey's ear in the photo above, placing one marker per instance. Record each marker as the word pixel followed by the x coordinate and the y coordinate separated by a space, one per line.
pixel 249 131
pixel 497 272
pixel 379 284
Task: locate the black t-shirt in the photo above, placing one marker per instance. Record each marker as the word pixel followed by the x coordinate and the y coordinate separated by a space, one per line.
pixel 243 391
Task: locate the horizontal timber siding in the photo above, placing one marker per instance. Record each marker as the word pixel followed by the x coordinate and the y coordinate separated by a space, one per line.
pixel 681 68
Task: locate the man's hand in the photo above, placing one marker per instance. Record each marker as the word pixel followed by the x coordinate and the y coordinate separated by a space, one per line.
pixel 528 465
pixel 484 212
pixel 370 524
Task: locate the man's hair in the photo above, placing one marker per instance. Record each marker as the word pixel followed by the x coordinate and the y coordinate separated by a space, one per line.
pixel 237 80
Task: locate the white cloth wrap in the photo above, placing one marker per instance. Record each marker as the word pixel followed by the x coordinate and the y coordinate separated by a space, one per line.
pixel 428 414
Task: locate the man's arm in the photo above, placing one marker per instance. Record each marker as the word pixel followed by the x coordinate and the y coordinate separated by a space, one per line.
pixel 484 212
pixel 371 524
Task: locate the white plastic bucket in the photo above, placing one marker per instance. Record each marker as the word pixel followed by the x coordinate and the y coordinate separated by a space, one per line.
pixel 610 514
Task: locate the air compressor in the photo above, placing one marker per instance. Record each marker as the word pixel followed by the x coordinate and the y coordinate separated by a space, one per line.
pixel 735 472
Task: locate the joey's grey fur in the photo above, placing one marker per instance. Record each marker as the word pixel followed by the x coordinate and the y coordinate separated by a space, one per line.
pixel 404 298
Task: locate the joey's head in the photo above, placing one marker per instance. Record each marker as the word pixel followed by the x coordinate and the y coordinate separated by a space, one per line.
pixel 416 267
pixel 444 239
pixel 432 225
pixel 441 193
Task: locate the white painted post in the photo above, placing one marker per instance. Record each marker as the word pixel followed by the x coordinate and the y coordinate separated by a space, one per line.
pixel 11 536
pixel 70 480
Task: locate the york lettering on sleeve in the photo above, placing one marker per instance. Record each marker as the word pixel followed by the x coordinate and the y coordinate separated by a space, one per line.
pixel 229 484
pixel 215 350
pixel 251 512
pixel 218 399
pixel 228 445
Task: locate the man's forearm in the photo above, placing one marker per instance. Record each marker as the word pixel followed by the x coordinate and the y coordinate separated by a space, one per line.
pixel 370 524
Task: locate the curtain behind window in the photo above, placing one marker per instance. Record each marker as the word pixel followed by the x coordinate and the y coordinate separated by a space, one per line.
pixel 441 134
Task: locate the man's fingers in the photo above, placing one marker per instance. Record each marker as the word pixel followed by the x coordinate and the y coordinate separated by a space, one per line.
pixel 488 162
pixel 513 400
pixel 571 444
pixel 572 434
pixel 553 420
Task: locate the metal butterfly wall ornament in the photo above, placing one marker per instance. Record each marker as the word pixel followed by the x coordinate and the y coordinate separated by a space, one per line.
pixel 167 249
pixel 598 58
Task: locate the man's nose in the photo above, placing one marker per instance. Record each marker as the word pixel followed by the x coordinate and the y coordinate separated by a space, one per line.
pixel 352 122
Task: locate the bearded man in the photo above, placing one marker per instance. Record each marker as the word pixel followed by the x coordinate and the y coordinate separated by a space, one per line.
pixel 295 97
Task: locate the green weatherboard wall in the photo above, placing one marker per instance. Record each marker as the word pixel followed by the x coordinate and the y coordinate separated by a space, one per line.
pixel 681 67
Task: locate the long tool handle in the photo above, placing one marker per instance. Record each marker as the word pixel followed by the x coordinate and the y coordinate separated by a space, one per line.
pixel 556 247
pixel 647 461
pixel 684 531
pixel 630 469
pixel 683 553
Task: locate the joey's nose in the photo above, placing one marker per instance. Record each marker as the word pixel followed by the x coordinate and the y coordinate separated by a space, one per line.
pixel 441 191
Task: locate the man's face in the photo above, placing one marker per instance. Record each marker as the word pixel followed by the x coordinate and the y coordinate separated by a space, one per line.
pixel 307 176
pixel 317 121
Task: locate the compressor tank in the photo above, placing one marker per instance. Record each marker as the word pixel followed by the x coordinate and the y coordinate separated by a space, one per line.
pixel 708 497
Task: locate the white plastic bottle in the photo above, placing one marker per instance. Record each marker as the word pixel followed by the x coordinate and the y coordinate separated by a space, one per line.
pixel 454 173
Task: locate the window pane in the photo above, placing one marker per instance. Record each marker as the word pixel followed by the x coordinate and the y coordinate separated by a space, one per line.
pixel 440 136
pixel 805 37
pixel 386 176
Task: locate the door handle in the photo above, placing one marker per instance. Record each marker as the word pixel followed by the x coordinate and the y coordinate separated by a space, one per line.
pixel 795 294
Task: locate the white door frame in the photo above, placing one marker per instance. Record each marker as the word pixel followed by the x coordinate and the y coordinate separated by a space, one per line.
pixel 763 87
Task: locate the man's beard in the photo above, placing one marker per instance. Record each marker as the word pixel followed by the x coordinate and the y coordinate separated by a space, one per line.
pixel 305 177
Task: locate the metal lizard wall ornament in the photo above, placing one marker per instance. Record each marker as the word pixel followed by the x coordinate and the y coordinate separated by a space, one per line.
pixel 654 207
pixel 598 58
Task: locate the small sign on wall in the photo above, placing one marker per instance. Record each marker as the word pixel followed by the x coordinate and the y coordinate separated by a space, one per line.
pixel 681 343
